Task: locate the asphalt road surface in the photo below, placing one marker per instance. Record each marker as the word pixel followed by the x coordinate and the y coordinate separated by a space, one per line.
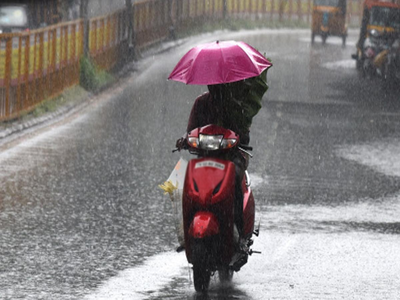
pixel 82 217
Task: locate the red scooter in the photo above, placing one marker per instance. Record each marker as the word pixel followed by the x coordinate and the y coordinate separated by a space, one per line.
pixel 211 240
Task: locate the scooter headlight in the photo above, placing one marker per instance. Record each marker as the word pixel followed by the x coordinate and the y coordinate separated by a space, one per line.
pixel 210 142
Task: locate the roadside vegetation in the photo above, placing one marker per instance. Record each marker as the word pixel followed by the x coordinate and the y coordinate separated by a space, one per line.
pixel 91 77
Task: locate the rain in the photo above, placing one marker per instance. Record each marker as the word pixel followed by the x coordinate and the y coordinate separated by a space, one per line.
pixel 82 215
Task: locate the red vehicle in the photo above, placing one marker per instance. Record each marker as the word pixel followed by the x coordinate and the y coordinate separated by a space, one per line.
pixel 211 240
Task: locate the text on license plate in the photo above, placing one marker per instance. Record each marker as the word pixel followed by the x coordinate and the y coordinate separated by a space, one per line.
pixel 210 164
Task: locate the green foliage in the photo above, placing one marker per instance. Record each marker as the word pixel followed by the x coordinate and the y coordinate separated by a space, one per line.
pixel 91 78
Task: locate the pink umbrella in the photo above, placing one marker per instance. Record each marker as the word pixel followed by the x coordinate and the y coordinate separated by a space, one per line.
pixel 219 62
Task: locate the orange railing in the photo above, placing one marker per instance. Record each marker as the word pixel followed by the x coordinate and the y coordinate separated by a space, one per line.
pixel 151 21
pixel 40 64
pixel 106 36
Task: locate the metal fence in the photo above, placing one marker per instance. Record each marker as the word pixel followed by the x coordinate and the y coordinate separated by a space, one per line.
pixel 108 37
pixel 37 65
pixel 40 64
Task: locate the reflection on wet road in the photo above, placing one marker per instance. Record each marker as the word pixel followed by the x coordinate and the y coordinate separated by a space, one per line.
pixel 82 217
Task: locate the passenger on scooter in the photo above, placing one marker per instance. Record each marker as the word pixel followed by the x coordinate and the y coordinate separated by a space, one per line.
pixel 232 106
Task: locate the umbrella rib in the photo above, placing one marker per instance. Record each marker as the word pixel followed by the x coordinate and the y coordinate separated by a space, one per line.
pixel 223 61
pixel 254 63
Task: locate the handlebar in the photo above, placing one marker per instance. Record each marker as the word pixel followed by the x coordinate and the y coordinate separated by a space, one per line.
pixel 182 143
pixel 246 147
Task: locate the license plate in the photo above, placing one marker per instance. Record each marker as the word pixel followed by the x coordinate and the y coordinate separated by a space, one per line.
pixel 209 164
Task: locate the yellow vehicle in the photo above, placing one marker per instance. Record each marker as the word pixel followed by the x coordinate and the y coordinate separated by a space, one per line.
pixel 329 19
pixel 380 24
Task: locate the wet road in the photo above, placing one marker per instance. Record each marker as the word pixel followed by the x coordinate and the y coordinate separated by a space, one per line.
pixel 82 217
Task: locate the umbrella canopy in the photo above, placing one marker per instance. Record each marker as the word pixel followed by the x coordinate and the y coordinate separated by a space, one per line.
pixel 219 62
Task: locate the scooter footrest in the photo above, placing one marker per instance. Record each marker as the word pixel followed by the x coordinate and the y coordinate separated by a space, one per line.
pixel 240 262
pixel 180 249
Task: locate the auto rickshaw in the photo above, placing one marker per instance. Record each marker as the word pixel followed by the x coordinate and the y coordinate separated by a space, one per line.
pixel 379 27
pixel 329 19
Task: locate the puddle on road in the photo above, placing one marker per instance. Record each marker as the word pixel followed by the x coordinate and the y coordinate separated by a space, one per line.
pixel 349 64
pixel 383 156
pixel 144 281
pixel 368 215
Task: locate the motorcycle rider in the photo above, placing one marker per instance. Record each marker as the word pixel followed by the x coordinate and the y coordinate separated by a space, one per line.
pixel 232 106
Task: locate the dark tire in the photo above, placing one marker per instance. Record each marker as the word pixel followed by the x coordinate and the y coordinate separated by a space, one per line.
pixel 388 78
pixel 359 64
pixel 360 67
pixel 324 37
pixel 201 278
pixel 368 70
pixel 225 274
pixel 201 270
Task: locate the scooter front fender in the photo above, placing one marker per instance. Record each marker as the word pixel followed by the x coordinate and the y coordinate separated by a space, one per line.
pixel 204 224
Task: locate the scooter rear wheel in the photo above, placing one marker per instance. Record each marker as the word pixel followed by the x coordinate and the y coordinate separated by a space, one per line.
pixel 201 278
pixel 201 270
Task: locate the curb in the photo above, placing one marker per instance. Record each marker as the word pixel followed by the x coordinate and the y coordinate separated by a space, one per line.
pixel 14 131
